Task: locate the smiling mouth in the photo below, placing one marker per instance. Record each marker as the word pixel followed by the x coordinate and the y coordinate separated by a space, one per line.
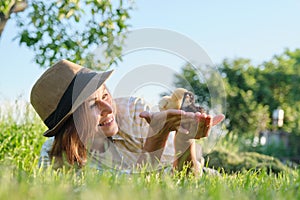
pixel 107 122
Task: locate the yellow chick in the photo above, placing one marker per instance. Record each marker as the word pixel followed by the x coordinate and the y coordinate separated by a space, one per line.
pixel 173 101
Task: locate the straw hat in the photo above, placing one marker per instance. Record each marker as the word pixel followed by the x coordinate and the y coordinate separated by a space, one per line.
pixel 61 90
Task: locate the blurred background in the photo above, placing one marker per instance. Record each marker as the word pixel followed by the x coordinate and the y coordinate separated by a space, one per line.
pixel 253 45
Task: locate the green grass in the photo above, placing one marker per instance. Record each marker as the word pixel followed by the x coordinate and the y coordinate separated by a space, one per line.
pixel 20 178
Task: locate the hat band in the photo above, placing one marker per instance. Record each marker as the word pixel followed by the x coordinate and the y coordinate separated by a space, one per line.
pixel 69 97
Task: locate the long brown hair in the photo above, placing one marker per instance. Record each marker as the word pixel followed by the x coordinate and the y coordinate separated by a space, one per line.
pixel 67 147
pixel 70 143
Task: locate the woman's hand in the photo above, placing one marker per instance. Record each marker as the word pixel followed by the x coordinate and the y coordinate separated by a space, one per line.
pixel 163 122
pixel 188 126
pixel 195 125
pixel 160 125
pixel 204 123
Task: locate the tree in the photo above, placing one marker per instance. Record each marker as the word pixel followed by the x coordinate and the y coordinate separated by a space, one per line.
pixel 70 29
pixel 254 92
pixel 279 80
pixel 7 8
pixel 246 114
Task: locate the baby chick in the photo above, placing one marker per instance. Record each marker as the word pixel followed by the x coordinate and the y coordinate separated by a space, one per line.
pixel 180 99
pixel 184 100
pixel 172 102
pixel 188 104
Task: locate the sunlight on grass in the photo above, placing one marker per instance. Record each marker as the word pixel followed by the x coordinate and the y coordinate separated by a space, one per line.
pixel 20 178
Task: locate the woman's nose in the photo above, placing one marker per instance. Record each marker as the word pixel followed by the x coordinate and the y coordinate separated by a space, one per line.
pixel 105 108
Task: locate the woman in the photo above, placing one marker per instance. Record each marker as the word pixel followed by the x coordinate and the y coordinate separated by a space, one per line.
pixel 86 122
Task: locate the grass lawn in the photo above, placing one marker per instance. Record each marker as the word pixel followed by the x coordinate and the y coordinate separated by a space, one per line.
pixel 20 178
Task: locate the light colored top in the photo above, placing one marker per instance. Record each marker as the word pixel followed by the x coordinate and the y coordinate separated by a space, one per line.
pixel 126 146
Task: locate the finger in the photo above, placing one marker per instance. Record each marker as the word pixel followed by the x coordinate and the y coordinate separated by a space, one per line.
pixel 208 120
pixel 190 117
pixel 146 115
pixel 201 118
pixel 176 124
pixel 204 124
pixel 175 112
pixel 188 123
pixel 178 117
pixel 207 125
pixel 217 119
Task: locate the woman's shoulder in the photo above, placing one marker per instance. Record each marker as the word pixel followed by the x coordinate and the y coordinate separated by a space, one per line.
pixel 128 111
pixel 44 159
pixel 48 144
pixel 131 106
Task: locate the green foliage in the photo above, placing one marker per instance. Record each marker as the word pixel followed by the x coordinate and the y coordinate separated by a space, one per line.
pixel 246 114
pixel 193 81
pixel 279 80
pixel 253 92
pixel 5 6
pixel 17 184
pixel 284 147
pixel 235 154
pixel 20 141
pixel 232 162
pixel 90 184
pixel 71 29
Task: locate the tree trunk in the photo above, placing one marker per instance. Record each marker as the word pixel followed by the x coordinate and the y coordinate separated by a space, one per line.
pixel 3 21
pixel 16 6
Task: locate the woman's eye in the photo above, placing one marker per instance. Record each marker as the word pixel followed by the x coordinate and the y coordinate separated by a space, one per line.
pixel 104 96
pixel 93 105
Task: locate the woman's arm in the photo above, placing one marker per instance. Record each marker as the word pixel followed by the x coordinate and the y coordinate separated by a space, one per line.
pixel 160 126
pixel 188 126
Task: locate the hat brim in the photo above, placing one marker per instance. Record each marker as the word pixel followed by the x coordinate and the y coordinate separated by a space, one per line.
pixel 87 88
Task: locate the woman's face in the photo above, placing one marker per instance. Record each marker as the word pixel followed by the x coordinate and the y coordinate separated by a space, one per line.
pixel 100 106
